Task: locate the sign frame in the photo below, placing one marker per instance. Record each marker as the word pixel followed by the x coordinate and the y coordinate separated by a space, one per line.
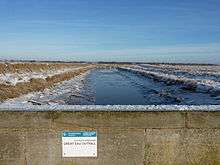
pixel 79 144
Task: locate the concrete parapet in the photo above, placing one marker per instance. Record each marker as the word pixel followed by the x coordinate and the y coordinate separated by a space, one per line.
pixel 124 138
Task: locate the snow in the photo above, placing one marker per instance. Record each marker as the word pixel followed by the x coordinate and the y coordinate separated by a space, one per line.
pixel 52 96
pixel 207 86
pixel 187 70
pixel 14 78
pixel 54 99
pixel 110 108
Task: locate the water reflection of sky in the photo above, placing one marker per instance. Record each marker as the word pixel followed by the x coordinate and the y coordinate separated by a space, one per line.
pixel 112 87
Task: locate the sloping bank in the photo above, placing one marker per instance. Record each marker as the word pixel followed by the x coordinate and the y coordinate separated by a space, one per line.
pixel 140 135
pixel 187 83
pixel 38 84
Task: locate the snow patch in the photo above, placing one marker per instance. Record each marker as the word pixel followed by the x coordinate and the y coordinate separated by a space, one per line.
pixel 52 96
pixel 14 78
pixel 188 83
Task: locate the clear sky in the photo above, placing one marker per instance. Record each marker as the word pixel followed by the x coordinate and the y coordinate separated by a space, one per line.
pixel 111 30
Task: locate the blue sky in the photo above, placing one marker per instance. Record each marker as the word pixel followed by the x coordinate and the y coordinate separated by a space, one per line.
pixel 116 30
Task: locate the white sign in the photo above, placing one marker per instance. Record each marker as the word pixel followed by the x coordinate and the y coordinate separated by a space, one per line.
pixel 79 144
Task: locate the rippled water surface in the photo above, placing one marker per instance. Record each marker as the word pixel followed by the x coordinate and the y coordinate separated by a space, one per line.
pixel 112 87
pixel 115 87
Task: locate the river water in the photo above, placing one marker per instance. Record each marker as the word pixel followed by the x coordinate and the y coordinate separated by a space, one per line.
pixel 116 87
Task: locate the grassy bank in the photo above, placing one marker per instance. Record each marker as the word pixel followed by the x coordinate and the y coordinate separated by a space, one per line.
pixel 35 67
pixel 11 91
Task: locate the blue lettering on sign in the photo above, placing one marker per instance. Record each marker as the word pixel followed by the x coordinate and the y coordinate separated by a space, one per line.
pixel 79 134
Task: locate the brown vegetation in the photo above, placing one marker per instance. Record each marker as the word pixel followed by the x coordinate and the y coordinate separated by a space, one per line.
pixel 37 67
pixel 10 91
pixel 38 84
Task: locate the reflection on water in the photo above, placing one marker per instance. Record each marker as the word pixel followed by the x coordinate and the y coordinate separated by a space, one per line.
pixel 116 87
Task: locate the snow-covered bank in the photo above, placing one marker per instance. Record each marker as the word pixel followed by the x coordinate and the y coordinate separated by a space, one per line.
pixel 199 70
pixel 111 108
pixel 207 86
pixel 14 78
pixel 52 96
pixel 119 87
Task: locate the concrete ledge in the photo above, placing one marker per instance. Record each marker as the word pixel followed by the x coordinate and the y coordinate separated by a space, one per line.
pixel 113 108
pixel 124 138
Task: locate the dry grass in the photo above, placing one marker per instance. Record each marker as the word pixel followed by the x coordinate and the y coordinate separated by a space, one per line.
pixel 38 84
pixel 34 67
pixel 10 91
pixel 190 68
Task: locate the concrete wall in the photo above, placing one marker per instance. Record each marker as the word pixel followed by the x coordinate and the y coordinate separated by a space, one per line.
pixel 124 138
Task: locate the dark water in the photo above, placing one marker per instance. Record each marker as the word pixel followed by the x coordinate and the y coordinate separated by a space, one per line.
pixel 116 87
